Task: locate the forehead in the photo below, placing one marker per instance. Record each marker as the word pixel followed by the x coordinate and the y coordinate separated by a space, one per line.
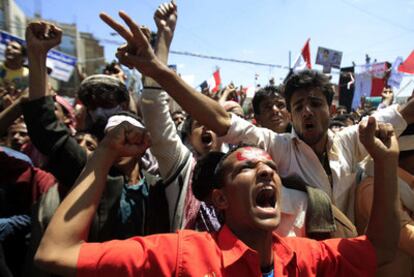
pixel 304 94
pixel 249 154
pixel 14 44
pixel 178 115
pixel 272 99
pixel 19 124
pixel 86 136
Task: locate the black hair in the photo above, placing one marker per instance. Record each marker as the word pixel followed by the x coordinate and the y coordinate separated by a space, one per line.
pixel 342 107
pixel 265 93
pixel 98 127
pixel 343 117
pixel 98 90
pixel 336 123
pixel 204 179
pixel 23 50
pixel 110 68
pixel 209 172
pixel 306 80
pixel 187 127
pixel 83 133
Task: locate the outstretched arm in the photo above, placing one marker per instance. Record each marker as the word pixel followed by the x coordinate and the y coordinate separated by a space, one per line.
pixel 59 249
pixel 40 38
pixel 166 144
pixel 49 135
pixel 138 53
pixel 165 18
pixel 383 227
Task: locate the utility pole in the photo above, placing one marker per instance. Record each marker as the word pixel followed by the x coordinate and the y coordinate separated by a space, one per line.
pixel 37 8
pixel 290 59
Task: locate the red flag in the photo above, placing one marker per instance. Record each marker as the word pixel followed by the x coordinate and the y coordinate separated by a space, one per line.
pixel 215 81
pixel 408 65
pixel 304 60
pixel 306 54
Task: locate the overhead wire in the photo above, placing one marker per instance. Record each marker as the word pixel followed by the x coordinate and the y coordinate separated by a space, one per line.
pixel 378 17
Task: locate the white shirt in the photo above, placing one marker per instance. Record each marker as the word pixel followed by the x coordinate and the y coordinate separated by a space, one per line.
pixel 294 157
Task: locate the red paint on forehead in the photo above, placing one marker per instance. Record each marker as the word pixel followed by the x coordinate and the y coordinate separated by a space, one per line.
pixel 250 153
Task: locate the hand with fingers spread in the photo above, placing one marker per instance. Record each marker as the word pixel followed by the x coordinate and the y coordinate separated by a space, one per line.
pixel 41 37
pixel 379 139
pixel 137 52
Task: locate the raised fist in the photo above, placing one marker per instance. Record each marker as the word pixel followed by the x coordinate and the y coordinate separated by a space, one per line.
pixel 42 36
pixel 165 17
pixel 126 140
pixel 379 139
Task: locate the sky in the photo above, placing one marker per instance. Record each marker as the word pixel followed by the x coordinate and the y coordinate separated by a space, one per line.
pixel 262 31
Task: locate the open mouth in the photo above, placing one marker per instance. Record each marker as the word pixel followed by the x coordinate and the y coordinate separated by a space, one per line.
pixel 206 138
pixel 266 197
pixel 309 126
pixel 276 118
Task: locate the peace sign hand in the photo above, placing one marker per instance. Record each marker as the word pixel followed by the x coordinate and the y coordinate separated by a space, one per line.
pixel 137 52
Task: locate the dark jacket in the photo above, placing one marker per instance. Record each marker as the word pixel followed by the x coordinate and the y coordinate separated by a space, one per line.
pixel 66 161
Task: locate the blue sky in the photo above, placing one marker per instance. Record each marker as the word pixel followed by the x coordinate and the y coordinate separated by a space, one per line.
pixel 261 31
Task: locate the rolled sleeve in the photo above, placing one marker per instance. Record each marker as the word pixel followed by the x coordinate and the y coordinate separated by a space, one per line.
pixel 392 115
pixel 348 257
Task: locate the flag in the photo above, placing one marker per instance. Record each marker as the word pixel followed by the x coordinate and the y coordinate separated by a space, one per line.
pixel 204 86
pixel 395 77
pixel 249 91
pixel 408 65
pixel 215 81
pixel 304 60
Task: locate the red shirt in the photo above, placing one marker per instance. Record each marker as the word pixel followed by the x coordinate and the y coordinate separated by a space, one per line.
pixel 190 253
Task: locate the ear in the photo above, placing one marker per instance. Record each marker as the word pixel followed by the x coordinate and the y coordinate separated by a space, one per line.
pixel 258 119
pixel 332 110
pixel 219 199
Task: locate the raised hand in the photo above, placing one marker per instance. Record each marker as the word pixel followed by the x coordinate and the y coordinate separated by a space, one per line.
pixel 165 17
pixel 41 37
pixel 126 140
pixel 379 139
pixel 137 52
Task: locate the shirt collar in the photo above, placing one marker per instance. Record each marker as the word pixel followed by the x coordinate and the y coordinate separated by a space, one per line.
pixel 233 248
pixel 330 143
pixel 283 253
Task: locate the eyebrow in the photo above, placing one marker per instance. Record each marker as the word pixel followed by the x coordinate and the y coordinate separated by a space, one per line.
pixel 272 165
pixel 311 97
pixel 269 163
pixel 298 102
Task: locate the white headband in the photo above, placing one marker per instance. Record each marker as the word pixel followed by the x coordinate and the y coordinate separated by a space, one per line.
pixel 115 120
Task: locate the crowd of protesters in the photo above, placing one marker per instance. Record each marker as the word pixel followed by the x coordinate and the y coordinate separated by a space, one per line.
pixel 193 183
